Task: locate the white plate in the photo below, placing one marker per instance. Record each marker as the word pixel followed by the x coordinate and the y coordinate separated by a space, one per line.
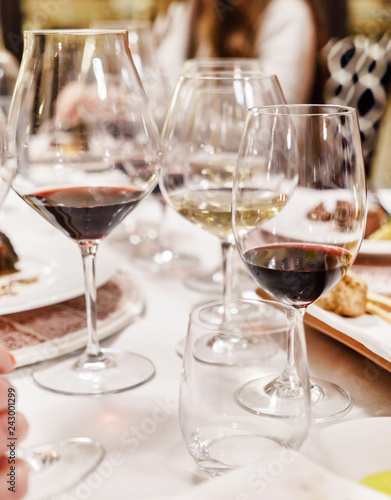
pixel 294 222
pixel 375 272
pixel 369 330
pixel 56 264
pixel 124 309
pixel 356 449
pixel 376 247
pixel 379 247
pixel 384 196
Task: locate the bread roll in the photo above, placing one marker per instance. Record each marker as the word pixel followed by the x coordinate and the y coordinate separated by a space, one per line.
pixel 348 298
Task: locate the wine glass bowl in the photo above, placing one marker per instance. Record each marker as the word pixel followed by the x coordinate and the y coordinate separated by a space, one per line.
pixel 87 152
pixel 201 137
pixel 299 210
pixel 143 47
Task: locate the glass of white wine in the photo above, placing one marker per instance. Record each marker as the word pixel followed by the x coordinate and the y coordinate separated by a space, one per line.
pixel 211 282
pixel 200 139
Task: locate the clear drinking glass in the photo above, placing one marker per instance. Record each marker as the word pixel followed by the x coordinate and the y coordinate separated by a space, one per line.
pixel 200 138
pixel 219 433
pixel 87 149
pixel 299 212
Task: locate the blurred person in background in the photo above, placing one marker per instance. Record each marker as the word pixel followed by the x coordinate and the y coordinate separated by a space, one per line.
pixel 286 35
pixel 11 23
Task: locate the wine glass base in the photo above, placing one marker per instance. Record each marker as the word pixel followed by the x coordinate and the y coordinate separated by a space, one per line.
pixel 56 467
pixel 328 401
pixel 120 371
pixel 266 396
pixel 211 282
pixel 165 260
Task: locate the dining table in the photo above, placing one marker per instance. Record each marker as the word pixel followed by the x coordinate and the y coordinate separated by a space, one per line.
pixel 145 455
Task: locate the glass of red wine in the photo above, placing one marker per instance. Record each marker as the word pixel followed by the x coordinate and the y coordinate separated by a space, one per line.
pixel 87 153
pixel 299 212
pixel 47 461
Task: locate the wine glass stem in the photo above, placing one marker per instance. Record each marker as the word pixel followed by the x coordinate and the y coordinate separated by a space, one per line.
pixel 317 393
pixel 289 375
pixel 162 229
pixel 228 253
pixel 88 252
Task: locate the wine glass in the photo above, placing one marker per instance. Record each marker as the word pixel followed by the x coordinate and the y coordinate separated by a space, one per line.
pixel 201 137
pixel 212 281
pixel 55 466
pixel 87 149
pixel 152 248
pixel 299 211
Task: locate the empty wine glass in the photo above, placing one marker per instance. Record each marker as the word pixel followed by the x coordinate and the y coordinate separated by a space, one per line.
pixel 201 137
pixel 152 247
pixel 299 212
pixel 87 150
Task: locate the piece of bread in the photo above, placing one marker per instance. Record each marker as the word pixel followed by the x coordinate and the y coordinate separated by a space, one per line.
pixel 348 298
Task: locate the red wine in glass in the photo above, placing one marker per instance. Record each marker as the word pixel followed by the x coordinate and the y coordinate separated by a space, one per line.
pixel 297 274
pixel 85 212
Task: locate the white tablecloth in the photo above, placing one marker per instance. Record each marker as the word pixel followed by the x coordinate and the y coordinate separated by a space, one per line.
pixel 145 455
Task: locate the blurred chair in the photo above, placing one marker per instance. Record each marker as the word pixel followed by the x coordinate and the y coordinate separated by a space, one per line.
pixel 380 176
pixel 360 75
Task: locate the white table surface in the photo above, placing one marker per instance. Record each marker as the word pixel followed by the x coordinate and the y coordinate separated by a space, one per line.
pixel 145 455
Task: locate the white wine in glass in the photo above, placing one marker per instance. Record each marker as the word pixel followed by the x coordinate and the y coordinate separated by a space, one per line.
pixel 212 282
pixel 200 138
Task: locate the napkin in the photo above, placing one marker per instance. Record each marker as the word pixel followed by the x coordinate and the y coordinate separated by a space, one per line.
pixel 292 477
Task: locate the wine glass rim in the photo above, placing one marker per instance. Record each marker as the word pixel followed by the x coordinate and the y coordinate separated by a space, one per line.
pixel 240 74
pixel 293 318
pixel 224 61
pixel 298 110
pixel 76 31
